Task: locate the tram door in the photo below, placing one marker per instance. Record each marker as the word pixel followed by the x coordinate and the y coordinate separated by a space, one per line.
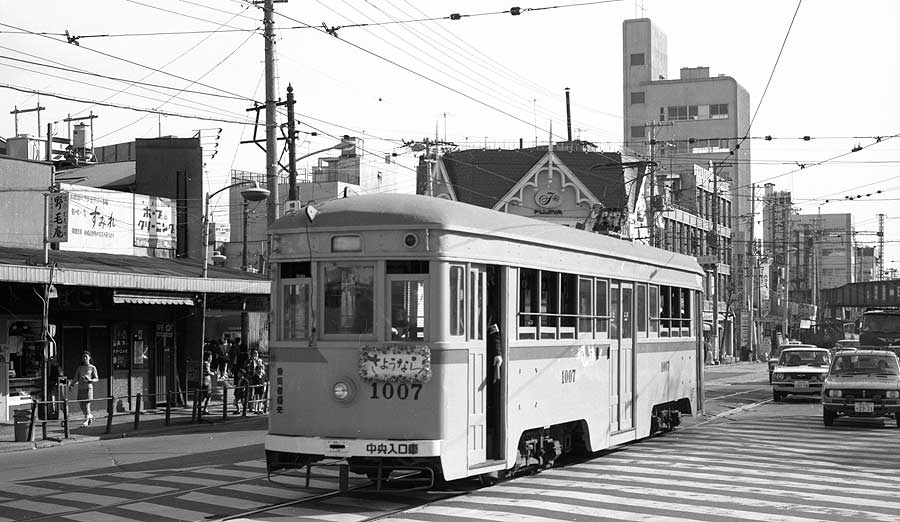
pixel 621 383
pixel 478 389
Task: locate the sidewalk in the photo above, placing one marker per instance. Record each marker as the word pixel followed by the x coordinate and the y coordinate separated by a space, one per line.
pixel 150 422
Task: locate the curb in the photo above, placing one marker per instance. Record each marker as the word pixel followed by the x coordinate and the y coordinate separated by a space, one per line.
pixel 10 447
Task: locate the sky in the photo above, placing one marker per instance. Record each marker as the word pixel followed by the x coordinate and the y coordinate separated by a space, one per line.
pixel 401 70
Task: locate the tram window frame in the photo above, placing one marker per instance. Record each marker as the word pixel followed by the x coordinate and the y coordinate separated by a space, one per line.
pixel 368 330
pixel 457 300
pixel 548 321
pixel 675 316
pixel 528 303
pixel 284 285
pixel 601 313
pixel 585 307
pixel 477 303
pixel 640 299
pixel 568 306
pixel 398 324
pixel 653 303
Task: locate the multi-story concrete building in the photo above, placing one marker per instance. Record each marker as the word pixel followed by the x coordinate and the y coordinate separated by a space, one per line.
pixel 695 119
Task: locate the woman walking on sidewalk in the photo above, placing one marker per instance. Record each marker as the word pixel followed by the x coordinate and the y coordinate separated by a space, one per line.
pixel 85 377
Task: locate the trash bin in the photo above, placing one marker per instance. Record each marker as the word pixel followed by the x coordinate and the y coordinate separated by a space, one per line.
pixel 21 420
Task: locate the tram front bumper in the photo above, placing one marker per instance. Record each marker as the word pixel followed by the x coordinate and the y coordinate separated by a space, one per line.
pixel 343 448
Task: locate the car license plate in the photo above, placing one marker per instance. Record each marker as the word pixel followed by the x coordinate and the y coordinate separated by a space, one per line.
pixel 864 407
pixel 801 384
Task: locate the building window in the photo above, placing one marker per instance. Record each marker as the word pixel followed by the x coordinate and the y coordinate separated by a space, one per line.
pixel 637 59
pixel 637 131
pixel 718 111
pixel 637 97
pixel 678 112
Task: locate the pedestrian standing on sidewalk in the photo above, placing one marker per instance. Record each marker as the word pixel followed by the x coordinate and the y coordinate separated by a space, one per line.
pixel 85 377
pixel 256 373
pixel 206 381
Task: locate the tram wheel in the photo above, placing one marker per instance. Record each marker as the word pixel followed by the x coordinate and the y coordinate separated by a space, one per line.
pixel 829 415
pixel 777 396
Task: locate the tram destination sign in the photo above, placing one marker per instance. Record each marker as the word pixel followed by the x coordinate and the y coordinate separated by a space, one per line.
pixel 395 363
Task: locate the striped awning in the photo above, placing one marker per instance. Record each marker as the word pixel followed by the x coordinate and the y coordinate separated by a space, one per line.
pixel 151 299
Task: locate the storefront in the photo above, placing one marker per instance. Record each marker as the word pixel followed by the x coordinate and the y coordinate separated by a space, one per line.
pixel 139 317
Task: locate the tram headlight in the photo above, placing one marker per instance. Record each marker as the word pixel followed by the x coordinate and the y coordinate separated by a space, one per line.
pixel 343 391
pixel 892 394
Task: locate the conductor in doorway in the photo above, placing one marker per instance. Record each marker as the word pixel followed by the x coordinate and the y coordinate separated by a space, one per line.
pixel 496 348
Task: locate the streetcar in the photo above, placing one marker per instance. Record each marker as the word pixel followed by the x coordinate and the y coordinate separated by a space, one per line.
pixel 381 311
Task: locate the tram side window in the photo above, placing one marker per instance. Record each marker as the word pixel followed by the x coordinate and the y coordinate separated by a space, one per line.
pixel 457 296
pixel 568 292
pixel 602 313
pixel 675 316
pixel 585 306
pixel 641 299
pixel 528 303
pixel 549 304
pixel 349 298
pixel 476 301
pixel 655 310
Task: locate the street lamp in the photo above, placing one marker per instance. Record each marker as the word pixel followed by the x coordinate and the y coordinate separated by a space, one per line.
pixel 253 192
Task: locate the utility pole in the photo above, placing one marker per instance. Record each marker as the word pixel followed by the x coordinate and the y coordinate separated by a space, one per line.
pixel 880 267
pixel 714 332
pixel 751 257
pixel 653 126
pixel 292 145
pixel 271 126
pixel 16 111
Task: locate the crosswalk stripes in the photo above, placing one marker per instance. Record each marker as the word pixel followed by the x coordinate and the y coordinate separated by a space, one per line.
pixel 158 495
pixel 789 469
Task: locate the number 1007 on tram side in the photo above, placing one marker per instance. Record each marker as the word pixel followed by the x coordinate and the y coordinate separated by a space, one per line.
pixel 413 333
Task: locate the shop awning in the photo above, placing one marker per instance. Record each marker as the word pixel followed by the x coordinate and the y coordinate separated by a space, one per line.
pixel 150 299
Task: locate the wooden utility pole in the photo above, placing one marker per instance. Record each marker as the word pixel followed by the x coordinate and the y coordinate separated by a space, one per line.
pixel 714 331
pixel 271 125
pixel 751 259
pixel 292 145
pixel 16 111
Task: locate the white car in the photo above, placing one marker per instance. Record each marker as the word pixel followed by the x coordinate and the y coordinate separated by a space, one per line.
pixel 800 370
pixel 862 383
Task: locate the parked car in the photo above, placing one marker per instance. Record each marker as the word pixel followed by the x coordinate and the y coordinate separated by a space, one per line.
pixel 800 370
pixel 862 383
pixel 776 354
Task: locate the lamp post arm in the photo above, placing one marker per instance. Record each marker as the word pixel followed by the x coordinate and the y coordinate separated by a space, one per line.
pixel 326 149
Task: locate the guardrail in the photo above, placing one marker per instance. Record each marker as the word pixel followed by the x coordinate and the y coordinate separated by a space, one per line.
pixel 247 399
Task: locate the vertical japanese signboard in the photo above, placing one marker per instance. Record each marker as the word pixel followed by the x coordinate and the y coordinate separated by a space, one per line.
pixel 154 222
pixel 58 218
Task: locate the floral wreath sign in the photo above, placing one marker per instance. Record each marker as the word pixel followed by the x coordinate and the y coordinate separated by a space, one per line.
pixel 395 363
